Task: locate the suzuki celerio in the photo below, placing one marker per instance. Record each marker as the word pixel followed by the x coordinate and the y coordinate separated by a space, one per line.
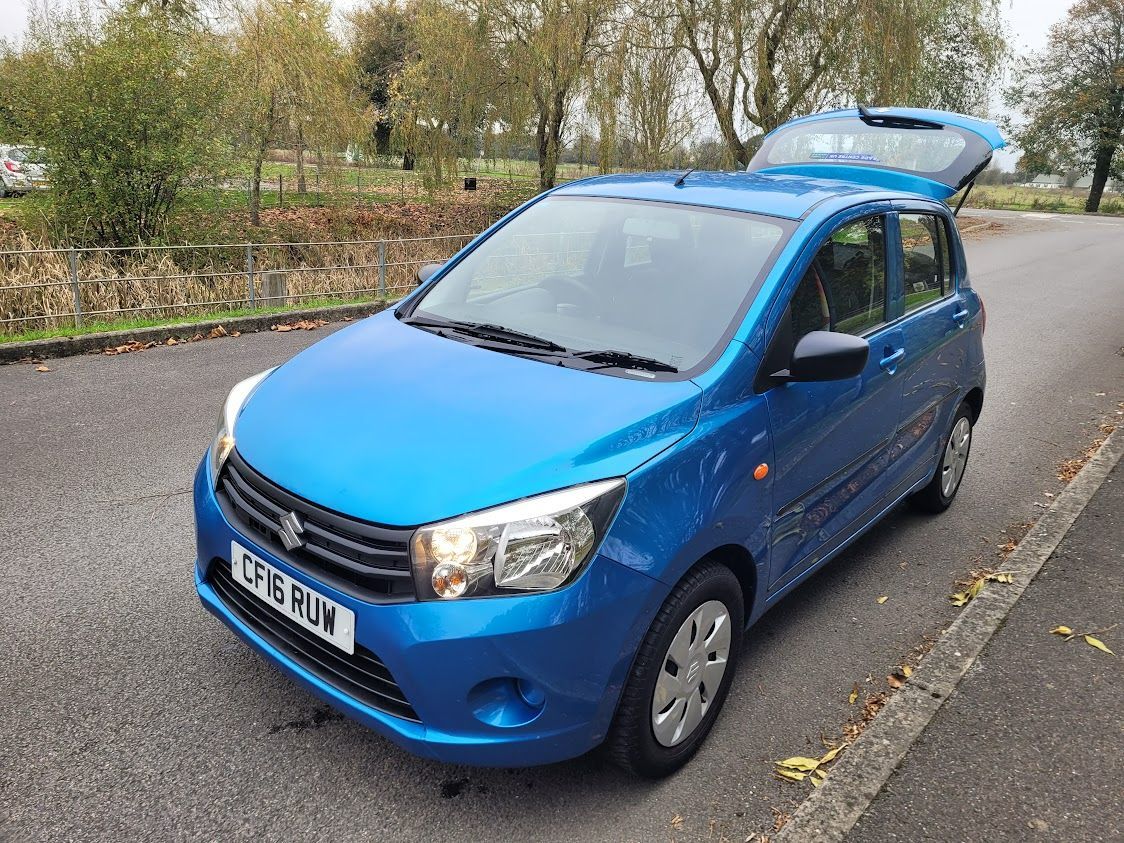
pixel 532 508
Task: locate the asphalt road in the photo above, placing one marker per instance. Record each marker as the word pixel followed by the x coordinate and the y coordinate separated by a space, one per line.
pixel 127 712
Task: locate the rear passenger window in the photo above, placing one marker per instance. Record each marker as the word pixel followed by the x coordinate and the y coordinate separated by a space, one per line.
pixel 845 287
pixel 927 274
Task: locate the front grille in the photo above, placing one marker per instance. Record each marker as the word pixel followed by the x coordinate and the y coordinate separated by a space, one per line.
pixel 369 561
pixel 361 676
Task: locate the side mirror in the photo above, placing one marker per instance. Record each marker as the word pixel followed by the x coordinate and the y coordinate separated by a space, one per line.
pixel 828 356
pixel 426 270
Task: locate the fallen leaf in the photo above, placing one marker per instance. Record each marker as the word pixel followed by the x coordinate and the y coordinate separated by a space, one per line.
pixel 1096 642
pixel 820 774
pixel 894 681
pixel 907 671
pixel 791 775
pixel 799 762
pixel 217 331
pixel 882 599
pixel 815 782
pixel 281 328
pixel 830 756
pixel 677 822
pixel 42 369
pixel 171 341
pixel 959 599
pixel 854 694
pixel 1061 630
pixel 236 333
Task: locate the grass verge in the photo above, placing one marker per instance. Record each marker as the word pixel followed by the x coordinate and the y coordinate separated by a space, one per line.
pixel 208 316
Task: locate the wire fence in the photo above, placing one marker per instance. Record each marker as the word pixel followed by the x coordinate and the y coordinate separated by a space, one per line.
pixel 63 287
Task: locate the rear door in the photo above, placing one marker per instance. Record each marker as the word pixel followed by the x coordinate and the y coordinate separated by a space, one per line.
pixel 934 153
pixel 831 439
pixel 934 318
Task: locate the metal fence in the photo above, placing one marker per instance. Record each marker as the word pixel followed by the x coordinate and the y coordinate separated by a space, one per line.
pixel 51 288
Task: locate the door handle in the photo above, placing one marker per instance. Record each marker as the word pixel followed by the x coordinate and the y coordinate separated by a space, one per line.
pixel 890 362
pixel 961 316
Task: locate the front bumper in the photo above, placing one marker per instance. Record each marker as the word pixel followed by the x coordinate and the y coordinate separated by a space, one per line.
pixel 504 681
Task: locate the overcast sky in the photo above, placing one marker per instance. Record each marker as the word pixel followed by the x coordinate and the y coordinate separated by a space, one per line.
pixel 1028 23
pixel 1028 20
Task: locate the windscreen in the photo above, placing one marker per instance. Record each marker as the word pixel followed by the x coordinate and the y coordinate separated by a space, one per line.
pixel 948 155
pixel 653 279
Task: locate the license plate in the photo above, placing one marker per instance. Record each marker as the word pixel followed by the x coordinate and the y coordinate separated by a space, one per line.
pixel 296 601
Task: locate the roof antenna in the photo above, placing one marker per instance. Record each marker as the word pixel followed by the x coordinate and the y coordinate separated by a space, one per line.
pixel 679 181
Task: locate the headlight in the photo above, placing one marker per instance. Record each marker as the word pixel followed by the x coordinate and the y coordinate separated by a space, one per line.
pixel 223 443
pixel 537 544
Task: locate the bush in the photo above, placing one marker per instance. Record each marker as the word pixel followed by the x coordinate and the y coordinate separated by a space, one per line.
pixel 126 109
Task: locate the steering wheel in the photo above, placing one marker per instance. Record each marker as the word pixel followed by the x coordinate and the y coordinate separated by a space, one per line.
pixel 561 285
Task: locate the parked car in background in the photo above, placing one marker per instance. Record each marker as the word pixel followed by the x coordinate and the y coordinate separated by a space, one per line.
pixel 21 170
pixel 533 508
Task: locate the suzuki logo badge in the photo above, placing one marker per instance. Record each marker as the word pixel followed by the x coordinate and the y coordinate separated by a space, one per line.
pixel 291 530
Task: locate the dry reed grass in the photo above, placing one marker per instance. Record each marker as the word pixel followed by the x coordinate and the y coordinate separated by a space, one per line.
pixel 152 282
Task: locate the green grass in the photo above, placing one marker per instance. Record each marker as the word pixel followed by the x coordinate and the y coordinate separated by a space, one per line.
pixel 129 324
pixel 1061 200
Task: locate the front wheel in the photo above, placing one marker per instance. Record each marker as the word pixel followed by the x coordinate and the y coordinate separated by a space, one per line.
pixel 681 675
pixel 942 489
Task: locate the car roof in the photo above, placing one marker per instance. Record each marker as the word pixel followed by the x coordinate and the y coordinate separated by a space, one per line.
pixel 763 193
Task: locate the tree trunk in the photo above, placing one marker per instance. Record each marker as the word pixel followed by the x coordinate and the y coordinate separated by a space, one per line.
pixel 550 139
pixel 1101 168
pixel 301 185
pixel 382 138
pixel 409 159
pixel 255 190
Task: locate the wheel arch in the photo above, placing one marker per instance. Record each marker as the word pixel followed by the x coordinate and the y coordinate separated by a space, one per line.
pixel 740 562
pixel 974 399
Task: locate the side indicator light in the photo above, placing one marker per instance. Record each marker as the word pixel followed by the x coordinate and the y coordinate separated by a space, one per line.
pixel 761 472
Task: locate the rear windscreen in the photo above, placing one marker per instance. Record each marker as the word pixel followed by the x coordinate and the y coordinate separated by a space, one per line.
pixel 948 155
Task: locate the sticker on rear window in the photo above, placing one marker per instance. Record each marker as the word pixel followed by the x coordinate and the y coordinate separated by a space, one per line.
pixel 843 156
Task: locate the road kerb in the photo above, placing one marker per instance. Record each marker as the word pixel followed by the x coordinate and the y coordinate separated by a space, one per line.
pixel 831 810
pixel 51 347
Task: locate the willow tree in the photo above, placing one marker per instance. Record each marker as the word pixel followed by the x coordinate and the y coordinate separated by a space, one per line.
pixel 542 51
pixel 293 78
pixel 763 63
pixel 440 97
pixel 658 105
pixel 1073 95
pixel 382 40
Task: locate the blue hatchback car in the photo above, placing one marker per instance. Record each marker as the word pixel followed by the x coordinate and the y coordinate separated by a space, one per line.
pixel 533 508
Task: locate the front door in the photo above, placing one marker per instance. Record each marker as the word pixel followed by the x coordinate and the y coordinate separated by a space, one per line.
pixel 831 439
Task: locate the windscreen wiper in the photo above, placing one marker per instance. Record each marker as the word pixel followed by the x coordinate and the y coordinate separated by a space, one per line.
pixel 487 331
pixel 625 360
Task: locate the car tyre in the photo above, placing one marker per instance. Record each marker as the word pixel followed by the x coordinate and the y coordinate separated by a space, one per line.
pixel 708 595
pixel 940 492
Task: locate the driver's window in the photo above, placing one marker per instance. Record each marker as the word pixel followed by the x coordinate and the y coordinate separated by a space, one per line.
pixel 845 287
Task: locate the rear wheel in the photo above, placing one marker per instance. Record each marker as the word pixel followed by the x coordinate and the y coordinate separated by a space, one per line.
pixel 681 675
pixel 942 489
